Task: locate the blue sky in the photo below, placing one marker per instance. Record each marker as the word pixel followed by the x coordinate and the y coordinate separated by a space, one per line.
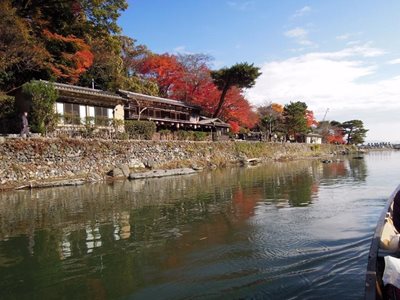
pixel 343 55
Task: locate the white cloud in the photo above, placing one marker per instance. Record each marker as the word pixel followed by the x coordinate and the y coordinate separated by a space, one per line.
pixel 301 12
pixel 300 35
pixel 343 36
pixel 394 61
pixel 297 32
pixel 334 80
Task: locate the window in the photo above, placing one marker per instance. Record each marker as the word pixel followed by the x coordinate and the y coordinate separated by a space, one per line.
pixel 76 114
pixel 71 113
pixel 183 117
pixel 165 114
pixel 101 115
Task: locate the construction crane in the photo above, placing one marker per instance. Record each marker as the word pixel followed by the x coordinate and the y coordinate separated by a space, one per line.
pixel 325 114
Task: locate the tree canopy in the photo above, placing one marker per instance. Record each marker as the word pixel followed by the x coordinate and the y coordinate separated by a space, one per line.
pixel 354 131
pixel 295 118
pixel 241 75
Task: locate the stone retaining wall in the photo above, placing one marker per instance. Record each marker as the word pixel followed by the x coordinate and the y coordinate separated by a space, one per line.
pixel 41 159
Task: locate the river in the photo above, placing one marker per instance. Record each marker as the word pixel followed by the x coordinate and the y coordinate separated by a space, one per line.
pixel 285 230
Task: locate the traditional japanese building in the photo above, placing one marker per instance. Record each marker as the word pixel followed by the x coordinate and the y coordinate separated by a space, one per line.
pixel 169 114
pixel 79 106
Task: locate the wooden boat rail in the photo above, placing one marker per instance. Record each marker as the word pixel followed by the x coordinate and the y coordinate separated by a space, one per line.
pixel 373 281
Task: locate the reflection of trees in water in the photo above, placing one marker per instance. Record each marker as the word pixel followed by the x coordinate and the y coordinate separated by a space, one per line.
pixel 358 169
pixel 286 184
pixel 125 232
pixel 177 200
pixel 354 170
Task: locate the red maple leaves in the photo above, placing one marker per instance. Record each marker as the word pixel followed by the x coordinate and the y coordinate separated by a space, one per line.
pixel 191 82
pixel 73 56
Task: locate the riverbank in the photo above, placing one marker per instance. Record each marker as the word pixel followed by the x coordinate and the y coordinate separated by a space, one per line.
pixel 27 162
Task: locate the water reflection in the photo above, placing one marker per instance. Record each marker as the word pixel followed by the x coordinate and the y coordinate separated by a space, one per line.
pixel 353 171
pixel 114 240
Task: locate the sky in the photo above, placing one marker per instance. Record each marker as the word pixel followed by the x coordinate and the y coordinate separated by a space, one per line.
pixel 342 57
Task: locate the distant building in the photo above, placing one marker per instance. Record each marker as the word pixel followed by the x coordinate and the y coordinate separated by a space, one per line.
pixel 313 138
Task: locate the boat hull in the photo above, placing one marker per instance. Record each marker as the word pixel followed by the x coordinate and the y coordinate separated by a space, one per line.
pixel 375 266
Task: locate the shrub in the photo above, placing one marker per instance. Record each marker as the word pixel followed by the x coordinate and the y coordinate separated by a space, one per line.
pixel 164 133
pixel 122 136
pixel 7 106
pixel 9 122
pixel 200 135
pixel 140 129
pixel 315 147
pixel 184 135
pixel 43 96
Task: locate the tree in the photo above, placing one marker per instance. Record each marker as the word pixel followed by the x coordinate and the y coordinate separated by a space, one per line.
pixel 195 77
pixel 355 131
pixel 241 75
pixel 21 56
pixel 311 121
pixel 237 109
pixel 270 118
pixel 71 56
pixel 102 15
pixel 164 70
pixel 7 106
pixel 295 118
pixel 58 35
pixel 187 78
pixel 332 132
pixel 43 97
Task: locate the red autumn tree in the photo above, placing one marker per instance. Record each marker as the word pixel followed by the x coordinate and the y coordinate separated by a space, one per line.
pixel 235 127
pixel 71 56
pixel 311 121
pixel 164 70
pixel 332 132
pixel 187 78
pixel 236 108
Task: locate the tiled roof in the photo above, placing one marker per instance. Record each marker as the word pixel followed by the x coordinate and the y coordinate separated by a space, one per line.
pixel 84 90
pixel 212 121
pixel 137 96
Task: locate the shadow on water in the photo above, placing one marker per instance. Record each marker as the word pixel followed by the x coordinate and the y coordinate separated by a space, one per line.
pixel 265 231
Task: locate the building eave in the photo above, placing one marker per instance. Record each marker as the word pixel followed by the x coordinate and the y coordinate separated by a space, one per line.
pixel 137 96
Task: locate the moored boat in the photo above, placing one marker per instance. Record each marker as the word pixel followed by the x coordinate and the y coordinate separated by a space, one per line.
pixel 381 246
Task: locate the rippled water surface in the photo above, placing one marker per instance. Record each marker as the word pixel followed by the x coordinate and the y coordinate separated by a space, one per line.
pixel 297 230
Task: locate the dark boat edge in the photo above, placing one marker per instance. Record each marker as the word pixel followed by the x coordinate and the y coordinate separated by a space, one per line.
pixel 372 287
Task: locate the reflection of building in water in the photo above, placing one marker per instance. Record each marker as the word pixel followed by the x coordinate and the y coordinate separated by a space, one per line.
pixel 122 227
pixel 125 209
pixel 65 246
pixel 93 237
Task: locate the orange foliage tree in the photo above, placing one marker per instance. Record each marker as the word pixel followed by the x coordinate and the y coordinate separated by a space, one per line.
pixel 187 78
pixel 164 70
pixel 311 121
pixel 332 132
pixel 71 56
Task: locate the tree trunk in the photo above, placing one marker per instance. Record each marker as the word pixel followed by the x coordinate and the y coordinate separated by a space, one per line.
pixel 221 100
pixel 349 136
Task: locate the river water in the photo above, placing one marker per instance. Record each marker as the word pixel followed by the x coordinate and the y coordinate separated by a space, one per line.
pixel 295 230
